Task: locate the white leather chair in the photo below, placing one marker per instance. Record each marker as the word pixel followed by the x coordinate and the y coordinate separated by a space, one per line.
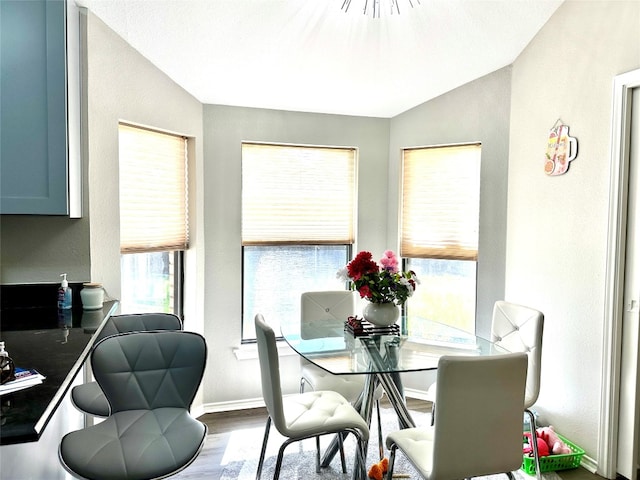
pixel 518 328
pixel 315 307
pixel 480 400
pixel 303 415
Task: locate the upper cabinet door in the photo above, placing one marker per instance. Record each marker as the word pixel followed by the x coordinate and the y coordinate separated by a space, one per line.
pixel 33 102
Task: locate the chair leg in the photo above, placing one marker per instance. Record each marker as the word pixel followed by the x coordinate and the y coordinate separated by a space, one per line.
pixel 360 463
pixel 264 447
pixel 360 449
pixel 532 427
pixel 276 472
pixel 392 460
pixel 433 413
pixel 510 475
pixel 343 461
pixel 380 443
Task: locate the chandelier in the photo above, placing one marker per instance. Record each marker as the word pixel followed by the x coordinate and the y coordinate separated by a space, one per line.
pixel 375 6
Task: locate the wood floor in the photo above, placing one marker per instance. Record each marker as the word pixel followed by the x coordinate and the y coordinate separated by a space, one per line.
pixel 221 424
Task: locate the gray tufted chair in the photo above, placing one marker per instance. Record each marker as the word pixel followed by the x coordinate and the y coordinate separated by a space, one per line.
pixel 303 415
pixel 518 328
pixel 139 322
pixel 88 397
pixel 481 400
pixel 150 380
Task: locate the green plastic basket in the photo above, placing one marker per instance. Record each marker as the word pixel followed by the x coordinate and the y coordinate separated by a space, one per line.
pixel 552 463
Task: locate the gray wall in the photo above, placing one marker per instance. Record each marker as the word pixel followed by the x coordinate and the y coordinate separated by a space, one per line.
pixel 224 130
pixel 124 86
pixel 557 226
pixel 476 112
pixel 38 249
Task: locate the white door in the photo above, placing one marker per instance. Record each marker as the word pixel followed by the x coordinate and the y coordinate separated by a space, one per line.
pixel 629 419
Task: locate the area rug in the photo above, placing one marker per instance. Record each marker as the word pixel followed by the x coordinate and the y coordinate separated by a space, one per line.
pixel 240 457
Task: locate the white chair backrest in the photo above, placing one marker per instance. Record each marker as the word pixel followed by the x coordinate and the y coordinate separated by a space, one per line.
pixel 519 329
pixel 270 372
pixel 479 400
pixel 316 307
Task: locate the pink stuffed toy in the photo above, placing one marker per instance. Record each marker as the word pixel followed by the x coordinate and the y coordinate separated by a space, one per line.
pixel 543 448
pixel 556 445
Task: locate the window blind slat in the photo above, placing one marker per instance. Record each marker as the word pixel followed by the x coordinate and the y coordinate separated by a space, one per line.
pixel 440 202
pixel 153 193
pixel 297 194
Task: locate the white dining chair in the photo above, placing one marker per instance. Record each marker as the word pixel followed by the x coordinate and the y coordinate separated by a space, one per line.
pixel 480 401
pixel 315 308
pixel 303 415
pixel 517 328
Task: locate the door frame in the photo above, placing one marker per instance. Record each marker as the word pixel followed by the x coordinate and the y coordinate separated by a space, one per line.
pixel 614 279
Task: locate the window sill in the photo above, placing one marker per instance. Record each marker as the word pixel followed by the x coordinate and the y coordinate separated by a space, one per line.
pixel 250 351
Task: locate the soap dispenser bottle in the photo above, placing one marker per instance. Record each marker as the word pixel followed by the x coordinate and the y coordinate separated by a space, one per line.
pixel 64 294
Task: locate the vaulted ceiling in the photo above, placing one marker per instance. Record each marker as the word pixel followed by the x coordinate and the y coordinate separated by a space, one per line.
pixel 313 56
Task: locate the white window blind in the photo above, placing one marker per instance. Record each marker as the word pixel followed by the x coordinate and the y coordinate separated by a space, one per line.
pixel 153 191
pixel 441 202
pixel 297 194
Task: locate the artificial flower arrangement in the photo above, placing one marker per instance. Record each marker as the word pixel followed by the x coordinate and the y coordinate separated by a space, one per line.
pixel 382 283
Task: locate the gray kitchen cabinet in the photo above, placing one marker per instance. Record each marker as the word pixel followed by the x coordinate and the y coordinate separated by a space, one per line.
pixel 33 106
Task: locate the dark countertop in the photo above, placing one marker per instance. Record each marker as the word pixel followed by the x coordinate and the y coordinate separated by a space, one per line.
pixel 56 344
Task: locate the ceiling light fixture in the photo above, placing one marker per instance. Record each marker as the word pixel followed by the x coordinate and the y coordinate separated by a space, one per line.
pixel 392 5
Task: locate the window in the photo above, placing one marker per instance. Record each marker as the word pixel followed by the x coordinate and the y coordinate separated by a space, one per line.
pixel 298 205
pixel 439 231
pixel 150 283
pixel 153 219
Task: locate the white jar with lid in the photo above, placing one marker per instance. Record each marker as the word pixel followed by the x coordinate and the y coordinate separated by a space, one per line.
pixel 92 295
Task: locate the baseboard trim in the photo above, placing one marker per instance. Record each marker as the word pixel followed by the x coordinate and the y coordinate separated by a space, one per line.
pixel 417 394
pixel 589 464
pixel 218 407
pixel 197 411
pixel 232 406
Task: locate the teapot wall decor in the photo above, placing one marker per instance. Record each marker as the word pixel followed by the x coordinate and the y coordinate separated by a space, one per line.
pixel 561 149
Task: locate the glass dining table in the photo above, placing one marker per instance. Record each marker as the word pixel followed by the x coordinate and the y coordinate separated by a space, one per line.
pixel 382 354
